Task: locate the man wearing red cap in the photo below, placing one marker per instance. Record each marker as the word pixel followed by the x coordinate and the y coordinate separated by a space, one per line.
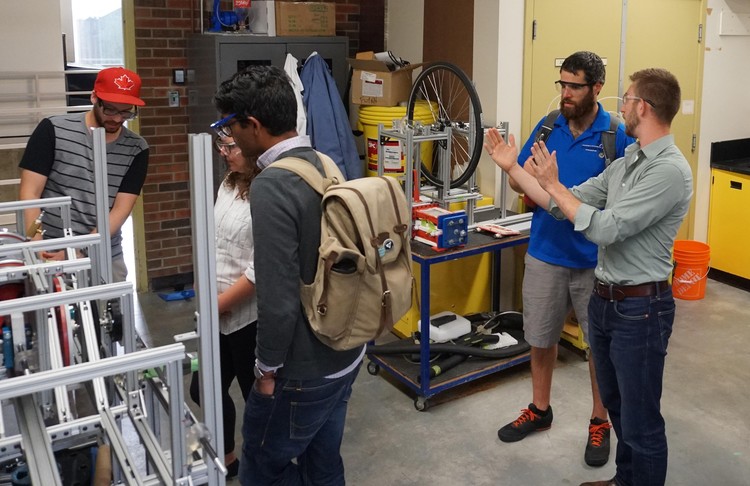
pixel 59 161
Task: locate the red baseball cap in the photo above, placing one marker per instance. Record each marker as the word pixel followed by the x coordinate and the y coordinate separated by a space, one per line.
pixel 118 85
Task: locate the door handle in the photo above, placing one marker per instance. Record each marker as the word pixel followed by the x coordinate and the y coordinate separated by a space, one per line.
pixel 735 185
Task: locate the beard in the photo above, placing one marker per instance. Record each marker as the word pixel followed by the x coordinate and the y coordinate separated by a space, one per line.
pixel 109 126
pixel 631 123
pixel 580 109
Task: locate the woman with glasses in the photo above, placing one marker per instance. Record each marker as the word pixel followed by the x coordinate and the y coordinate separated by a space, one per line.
pixel 235 274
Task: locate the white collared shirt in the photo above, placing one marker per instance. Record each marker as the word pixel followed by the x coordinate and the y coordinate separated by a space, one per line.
pixel 234 255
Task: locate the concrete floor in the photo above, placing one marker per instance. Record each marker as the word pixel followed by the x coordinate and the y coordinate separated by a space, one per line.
pixel 387 442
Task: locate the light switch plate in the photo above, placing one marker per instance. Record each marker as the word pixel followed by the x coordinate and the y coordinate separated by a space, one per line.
pixel 174 99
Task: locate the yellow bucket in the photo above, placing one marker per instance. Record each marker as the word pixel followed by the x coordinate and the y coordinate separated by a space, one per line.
pixel 393 155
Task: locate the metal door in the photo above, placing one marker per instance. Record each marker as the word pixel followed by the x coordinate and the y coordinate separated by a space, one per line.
pixel 668 34
pixel 554 30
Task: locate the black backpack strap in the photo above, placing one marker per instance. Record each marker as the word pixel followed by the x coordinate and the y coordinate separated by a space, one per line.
pixel 547 126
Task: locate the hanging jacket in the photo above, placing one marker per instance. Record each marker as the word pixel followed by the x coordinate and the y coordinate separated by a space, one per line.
pixel 290 66
pixel 327 121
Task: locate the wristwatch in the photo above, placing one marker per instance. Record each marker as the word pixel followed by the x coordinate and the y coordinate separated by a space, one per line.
pixel 263 375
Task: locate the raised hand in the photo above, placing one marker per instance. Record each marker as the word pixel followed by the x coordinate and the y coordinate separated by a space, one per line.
pixel 543 165
pixel 505 155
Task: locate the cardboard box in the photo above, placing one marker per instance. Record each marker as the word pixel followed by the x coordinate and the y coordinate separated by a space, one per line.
pixel 373 83
pixel 263 17
pixel 305 18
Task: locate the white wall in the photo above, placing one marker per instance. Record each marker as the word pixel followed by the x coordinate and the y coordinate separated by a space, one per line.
pixel 498 74
pixel 404 29
pixel 725 99
pixel 30 36
pixel 31 40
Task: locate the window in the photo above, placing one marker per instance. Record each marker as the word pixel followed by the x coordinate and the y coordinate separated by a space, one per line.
pixel 97 33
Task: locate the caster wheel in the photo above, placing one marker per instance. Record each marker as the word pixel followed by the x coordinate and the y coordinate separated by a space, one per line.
pixel 421 404
pixel 373 368
pixel 587 354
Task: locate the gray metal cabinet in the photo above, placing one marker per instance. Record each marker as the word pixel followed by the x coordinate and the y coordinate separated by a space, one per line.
pixel 213 58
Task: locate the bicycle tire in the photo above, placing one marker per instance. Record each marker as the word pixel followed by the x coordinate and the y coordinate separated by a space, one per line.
pixel 449 93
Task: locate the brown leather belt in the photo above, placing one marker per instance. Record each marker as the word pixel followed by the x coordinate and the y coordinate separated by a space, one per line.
pixel 619 292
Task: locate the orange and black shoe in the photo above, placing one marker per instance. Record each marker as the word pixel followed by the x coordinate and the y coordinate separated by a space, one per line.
pixel 597 447
pixel 531 420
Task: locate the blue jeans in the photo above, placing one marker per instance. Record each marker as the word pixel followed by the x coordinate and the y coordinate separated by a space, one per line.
pixel 628 340
pixel 302 420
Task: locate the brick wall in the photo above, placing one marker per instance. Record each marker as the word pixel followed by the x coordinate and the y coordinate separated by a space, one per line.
pixel 161 31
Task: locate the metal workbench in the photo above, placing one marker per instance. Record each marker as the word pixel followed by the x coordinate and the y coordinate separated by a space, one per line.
pixel 417 376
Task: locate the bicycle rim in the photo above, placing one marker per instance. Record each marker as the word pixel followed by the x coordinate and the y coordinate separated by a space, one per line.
pixel 449 94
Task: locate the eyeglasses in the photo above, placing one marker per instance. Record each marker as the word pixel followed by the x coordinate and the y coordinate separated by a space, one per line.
pixel 626 98
pixel 561 85
pixel 223 127
pixel 225 148
pixel 112 111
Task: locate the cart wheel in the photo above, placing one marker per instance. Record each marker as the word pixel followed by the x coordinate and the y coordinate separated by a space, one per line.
pixel 421 404
pixel 587 354
pixel 373 368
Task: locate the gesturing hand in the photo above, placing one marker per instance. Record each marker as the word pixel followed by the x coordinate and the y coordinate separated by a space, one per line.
pixel 504 154
pixel 543 165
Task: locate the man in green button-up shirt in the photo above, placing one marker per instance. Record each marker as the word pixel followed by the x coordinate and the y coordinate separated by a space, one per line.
pixel 632 210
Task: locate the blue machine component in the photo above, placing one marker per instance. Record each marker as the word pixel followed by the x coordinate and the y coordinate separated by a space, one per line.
pixel 8 348
pixel 455 229
pixel 221 19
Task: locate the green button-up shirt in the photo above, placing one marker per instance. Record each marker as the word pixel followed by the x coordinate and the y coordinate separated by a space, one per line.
pixel 633 210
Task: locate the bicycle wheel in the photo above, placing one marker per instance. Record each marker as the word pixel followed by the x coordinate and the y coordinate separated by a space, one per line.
pixel 449 94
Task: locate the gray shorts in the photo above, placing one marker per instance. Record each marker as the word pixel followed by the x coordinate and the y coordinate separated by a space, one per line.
pixel 548 293
pixel 119 270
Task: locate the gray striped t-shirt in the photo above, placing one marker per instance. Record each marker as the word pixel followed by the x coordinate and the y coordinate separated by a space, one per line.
pixel 61 148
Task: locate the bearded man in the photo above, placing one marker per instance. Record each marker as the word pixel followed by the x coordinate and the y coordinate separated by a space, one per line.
pixel 559 263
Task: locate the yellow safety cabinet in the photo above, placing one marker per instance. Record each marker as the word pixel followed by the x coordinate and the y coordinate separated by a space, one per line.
pixel 728 233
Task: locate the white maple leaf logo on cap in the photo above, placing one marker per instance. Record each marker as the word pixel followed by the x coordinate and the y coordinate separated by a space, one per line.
pixel 124 82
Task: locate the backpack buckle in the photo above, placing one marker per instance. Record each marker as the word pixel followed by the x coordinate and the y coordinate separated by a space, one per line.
pixel 386 300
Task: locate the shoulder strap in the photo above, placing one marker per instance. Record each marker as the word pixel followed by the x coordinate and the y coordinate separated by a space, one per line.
pixel 547 126
pixel 609 139
pixel 309 173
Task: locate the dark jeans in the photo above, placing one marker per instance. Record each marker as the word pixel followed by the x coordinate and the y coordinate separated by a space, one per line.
pixel 302 420
pixel 628 340
pixel 236 355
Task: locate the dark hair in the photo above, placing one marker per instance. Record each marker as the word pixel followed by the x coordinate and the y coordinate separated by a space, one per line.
pixel 661 88
pixel 588 62
pixel 263 92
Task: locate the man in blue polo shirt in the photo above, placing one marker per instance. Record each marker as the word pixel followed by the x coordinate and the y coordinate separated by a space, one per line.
pixel 560 262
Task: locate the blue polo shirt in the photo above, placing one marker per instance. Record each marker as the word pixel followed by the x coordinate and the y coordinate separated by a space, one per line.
pixel 553 241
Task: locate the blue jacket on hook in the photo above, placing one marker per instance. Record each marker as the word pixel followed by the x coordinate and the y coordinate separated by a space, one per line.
pixel 327 121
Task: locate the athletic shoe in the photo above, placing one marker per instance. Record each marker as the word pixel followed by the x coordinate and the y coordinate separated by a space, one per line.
pixel 531 420
pixel 233 469
pixel 597 447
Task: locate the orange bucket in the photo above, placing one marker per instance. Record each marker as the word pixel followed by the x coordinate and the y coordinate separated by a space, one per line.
pixel 691 269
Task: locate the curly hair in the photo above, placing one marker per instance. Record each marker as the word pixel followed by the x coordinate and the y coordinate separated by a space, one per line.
pixel 242 180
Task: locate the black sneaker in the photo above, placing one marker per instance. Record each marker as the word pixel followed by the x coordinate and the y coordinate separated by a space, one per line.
pixel 531 420
pixel 233 469
pixel 597 447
